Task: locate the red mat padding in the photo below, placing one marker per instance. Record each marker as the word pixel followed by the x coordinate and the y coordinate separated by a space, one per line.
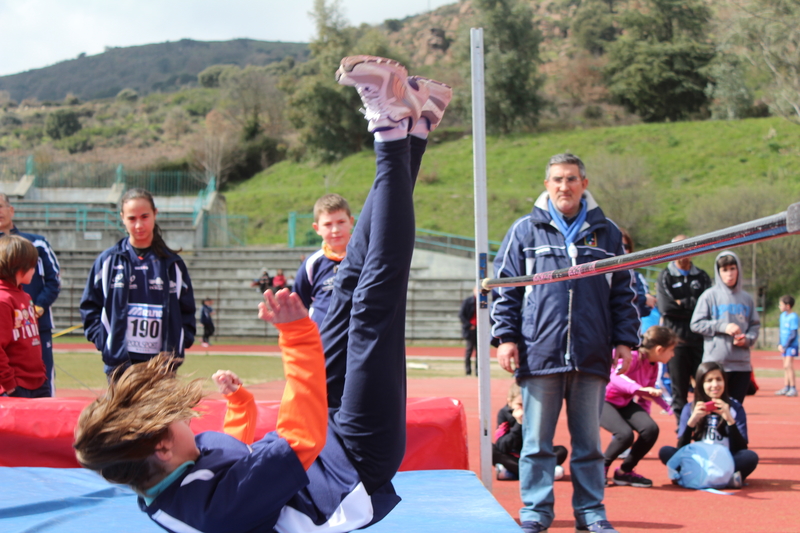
pixel 39 432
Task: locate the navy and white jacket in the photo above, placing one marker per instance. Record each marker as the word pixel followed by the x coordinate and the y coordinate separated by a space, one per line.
pixel 205 315
pixel 314 284
pixel 604 312
pixel 732 437
pixel 104 305
pixel 46 283
pixel 235 488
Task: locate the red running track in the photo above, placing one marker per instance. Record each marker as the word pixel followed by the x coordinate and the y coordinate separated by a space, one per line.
pixel 769 503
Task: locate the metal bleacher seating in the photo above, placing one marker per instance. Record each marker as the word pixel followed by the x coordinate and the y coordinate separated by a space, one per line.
pixel 225 275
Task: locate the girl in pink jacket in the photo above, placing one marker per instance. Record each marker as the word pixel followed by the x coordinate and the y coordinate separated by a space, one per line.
pixel 622 413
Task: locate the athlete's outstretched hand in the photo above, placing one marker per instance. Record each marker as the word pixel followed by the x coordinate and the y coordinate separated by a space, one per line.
pixel 283 306
pixel 227 381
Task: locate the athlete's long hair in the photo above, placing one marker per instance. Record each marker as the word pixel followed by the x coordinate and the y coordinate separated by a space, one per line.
pixel 118 433
pixel 700 393
pixel 158 245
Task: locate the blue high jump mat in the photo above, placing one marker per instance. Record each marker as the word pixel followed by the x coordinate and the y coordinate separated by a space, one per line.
pixel 67 500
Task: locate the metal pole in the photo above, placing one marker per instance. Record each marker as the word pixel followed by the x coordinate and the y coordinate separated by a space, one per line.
pixel 481 255
pixel 292 228
pixel 787 222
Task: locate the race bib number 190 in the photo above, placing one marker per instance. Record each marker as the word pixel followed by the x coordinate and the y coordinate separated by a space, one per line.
pixel 144 328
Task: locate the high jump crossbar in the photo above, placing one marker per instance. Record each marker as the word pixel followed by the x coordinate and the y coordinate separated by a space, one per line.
pixel 762 229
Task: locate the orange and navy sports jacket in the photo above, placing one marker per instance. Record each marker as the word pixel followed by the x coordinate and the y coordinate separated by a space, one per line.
pixel 294 479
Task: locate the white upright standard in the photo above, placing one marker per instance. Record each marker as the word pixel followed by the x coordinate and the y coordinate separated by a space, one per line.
pixel 481 254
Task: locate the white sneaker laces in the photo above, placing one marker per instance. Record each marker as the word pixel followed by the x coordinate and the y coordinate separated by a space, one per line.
pixel 376 105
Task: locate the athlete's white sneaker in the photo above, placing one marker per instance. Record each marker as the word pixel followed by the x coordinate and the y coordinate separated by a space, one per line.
pixel 388 95
pixel 440 95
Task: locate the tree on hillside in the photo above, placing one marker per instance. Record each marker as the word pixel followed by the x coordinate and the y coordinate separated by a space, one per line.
pixel 210 76
pixel 768 31
pixel 622 185
pixel 593 26
pixel 254 100
pixel 61 124
pixel 213 149
pixel 729 95
pixel 325 113
pixel 127 95
pixel 512 52
pixel 657 68
pixel 334 36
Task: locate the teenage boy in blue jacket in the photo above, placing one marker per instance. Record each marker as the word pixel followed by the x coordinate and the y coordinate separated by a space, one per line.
pixel 558 339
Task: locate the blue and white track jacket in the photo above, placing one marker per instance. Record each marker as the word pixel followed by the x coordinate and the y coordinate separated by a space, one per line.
pixel 46 283
pixel 235 488
pixel 104 305
pixel 314 284
pixel 604 312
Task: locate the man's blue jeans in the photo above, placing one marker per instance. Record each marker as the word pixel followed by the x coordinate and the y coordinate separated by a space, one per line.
pixel 542 397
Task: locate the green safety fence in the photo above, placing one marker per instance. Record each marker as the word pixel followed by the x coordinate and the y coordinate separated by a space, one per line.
pixel 225 230
pixel 84 217
pixel 164 183
pixel 12 168
pixel 218 230
pixel 71 174
pixel 300 233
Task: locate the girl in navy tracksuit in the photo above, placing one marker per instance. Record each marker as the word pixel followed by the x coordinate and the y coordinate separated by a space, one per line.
pixel 138 299
pixel 288 481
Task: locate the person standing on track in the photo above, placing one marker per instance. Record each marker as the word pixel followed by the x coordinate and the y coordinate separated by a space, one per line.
pixel 680 284
pixel 469 330
pixel 43 288
pixel 138 299
pixel 558 339
pixel 333 222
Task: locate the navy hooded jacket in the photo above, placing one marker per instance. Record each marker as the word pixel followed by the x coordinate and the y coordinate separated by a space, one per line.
pixel 104 305
pixel 46 283
pixel 604 312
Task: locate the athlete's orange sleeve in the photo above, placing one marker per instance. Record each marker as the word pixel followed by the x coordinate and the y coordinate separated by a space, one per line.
pixel 241 415
pixel 303 413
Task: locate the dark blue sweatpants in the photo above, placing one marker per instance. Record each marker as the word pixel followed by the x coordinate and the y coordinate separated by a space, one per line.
pixel 364 331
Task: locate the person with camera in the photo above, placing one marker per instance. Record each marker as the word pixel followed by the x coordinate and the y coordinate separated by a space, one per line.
pixel 716 418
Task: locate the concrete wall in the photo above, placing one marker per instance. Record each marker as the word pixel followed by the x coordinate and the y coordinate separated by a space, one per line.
pixel 69 195
pixel 434 265
pixel 176 204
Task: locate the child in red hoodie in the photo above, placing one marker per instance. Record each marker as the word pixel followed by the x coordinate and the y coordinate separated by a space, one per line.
pixel 22 372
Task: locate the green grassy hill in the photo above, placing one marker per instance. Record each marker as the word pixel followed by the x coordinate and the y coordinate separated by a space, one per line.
pixel 161 67
pixel 666 174
pixel 656 180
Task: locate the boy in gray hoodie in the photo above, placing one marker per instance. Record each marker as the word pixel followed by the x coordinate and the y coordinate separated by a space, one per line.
pixel 727 318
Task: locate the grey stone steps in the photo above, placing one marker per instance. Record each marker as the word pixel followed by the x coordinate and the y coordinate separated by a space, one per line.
pixel 225 276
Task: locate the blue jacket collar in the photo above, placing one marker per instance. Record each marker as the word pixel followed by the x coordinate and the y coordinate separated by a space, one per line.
pixel 541 215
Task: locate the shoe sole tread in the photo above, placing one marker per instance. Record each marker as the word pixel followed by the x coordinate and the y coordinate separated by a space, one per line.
pixel 631 484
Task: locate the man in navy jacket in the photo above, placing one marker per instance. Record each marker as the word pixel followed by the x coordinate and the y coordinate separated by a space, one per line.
pixel 559 339
pixel 43 288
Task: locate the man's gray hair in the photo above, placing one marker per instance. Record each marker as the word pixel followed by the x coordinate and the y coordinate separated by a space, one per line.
pixel 565 159
pixel 4 198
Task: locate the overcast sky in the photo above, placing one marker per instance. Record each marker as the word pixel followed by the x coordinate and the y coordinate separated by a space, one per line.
pixel 38 33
